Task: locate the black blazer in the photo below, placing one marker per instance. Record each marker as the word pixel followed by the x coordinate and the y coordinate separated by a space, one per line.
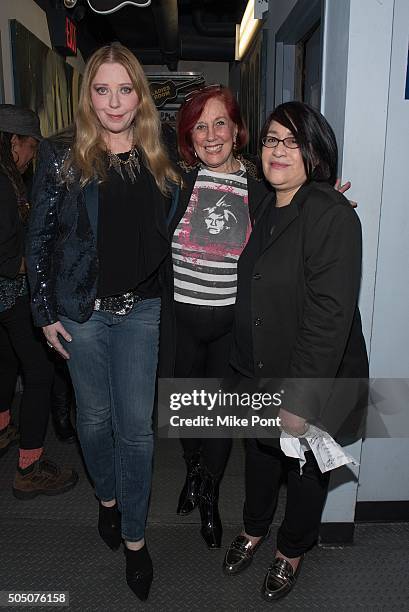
pixel 257 189
pixel 305 317
pixel 62 259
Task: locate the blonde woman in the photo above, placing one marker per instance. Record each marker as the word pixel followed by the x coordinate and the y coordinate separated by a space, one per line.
pixel 97 243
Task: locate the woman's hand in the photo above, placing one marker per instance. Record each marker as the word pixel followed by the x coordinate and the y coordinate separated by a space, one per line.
pixel 51 333
pixel 292 424
pixel 343 188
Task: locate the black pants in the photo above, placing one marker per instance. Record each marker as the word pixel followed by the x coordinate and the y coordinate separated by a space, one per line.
pixel 306 496
pixel 62 390
pixel 204 335
pixel 22 346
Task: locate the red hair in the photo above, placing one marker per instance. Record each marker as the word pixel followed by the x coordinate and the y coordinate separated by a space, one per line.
pixel 191 110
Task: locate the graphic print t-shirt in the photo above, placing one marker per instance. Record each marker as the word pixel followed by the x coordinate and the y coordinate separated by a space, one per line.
pixel 210 238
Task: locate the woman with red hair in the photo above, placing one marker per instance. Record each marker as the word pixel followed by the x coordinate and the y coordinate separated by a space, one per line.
pixel 210 229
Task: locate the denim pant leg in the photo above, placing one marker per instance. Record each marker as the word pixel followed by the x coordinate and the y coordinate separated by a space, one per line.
pixel 133 363
pixel 89 370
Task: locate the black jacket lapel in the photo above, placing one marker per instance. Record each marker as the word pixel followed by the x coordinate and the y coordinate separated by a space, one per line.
pixel 257 194
pixel 91 204
pixel 189 180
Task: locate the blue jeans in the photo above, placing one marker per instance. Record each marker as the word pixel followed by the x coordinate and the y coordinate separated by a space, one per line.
pixel 112 363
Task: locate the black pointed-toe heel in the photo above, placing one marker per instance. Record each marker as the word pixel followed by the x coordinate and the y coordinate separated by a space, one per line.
pixel 139 575
pixel 189 496
pixel 109 526
pixel 211 529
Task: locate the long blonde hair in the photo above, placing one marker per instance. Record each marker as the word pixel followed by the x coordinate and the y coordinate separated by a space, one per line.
pixel 87 152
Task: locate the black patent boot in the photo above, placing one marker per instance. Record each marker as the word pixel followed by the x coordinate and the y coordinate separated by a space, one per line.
pixel 189 496
pixel 211 529
pixel 61 402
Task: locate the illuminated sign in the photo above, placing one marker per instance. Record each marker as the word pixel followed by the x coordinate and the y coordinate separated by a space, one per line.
pixel 71 36
pixel 63 31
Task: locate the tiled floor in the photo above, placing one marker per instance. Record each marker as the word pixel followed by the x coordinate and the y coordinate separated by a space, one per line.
pixel 52 544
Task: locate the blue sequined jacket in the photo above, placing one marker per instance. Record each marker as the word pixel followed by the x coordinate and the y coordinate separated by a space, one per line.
pixel 61 252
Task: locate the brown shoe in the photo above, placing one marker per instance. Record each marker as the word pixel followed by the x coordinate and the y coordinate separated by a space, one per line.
pixel 44 477
pixel 8 437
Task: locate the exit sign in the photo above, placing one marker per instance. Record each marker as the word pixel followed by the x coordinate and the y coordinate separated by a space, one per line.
pixel 63 31
pixel 70 36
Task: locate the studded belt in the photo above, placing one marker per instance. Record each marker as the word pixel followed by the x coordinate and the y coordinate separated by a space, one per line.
pixel 118 304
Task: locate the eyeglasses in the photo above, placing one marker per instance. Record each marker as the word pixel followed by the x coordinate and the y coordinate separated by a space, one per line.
pixel 192 94
pixel 271 142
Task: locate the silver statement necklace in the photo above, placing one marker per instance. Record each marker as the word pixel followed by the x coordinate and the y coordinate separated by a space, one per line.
pixel 131 165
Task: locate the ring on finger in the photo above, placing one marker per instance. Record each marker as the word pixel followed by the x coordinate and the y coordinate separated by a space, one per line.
pixel 49 344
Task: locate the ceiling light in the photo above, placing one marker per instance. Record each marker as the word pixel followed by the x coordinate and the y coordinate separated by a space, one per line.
pixel 246 30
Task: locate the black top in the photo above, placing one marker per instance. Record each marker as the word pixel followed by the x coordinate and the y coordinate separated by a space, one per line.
pixel 12 233
pixel 129 247
pixel 242 351
pixel 11 230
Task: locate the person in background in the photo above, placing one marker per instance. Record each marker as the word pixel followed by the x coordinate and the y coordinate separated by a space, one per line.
pixel 97 244
pixel 62 396
pixel 21 345
pixel 297 320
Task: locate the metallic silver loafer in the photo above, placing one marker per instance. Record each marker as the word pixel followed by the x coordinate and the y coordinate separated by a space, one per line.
pixel 240 554
pixel 280 579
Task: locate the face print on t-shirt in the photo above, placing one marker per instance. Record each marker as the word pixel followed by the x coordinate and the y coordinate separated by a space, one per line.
pixel 219 217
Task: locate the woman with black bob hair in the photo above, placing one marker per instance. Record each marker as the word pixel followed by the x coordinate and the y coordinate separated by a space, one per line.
pixel 297 320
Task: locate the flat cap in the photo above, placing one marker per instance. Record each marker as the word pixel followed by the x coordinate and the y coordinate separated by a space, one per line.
pixel 20 121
